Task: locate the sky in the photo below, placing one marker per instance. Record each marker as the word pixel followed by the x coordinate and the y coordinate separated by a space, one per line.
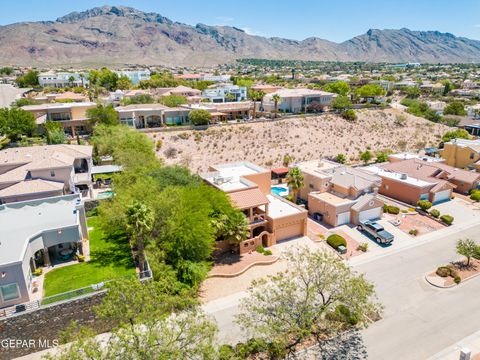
pixel 333 20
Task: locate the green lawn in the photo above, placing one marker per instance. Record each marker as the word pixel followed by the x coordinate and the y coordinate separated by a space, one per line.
pixel 109 259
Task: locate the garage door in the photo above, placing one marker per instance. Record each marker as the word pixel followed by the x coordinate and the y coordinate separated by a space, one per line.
pixel 370 214
pixel 289 231
pixel 442 196
pixel 343 218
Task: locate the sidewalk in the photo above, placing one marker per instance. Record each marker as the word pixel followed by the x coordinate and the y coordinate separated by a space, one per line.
pixel 413 242
pixel 471 342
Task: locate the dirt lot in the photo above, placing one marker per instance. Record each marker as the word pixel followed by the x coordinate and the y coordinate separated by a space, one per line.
pixel 304 138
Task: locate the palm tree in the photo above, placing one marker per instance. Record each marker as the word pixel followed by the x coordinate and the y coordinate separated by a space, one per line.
pixel 276 99
pixel 254 97
pixel 295 181
pixel 81 78
pixel 139 224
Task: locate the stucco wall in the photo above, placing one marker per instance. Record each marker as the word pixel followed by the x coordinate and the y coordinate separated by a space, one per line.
pixel 14 274
pixel 289 226
pixel 312 183
pixel 263 180
pixel 459 156
pixel 48 323
pixel 402 191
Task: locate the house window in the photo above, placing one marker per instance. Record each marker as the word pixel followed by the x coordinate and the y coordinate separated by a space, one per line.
pixel 10 292
pixel 472 156
pixel 386 187
pixel 310 186
pixel 52 173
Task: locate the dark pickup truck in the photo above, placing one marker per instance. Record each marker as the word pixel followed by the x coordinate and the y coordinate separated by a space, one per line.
pixel 377 231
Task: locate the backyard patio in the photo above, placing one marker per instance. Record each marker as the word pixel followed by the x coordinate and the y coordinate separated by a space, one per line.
pixel 109 259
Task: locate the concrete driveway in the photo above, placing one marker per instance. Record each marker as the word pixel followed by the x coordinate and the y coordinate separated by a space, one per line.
pixel 462 211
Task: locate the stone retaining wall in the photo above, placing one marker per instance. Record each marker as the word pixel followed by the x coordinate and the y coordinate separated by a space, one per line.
pixel 42 328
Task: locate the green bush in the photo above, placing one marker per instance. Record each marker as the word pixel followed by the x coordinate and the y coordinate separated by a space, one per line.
pixel 413 232
pixel 267 252
pixel 443 271
pixel 260 249
pixel 424 204
pixel 475 196
pixel 335 241
pixel 393 210
pixel 80 258
pixel 447 219
pixel 349 114
pixel 457 279
pixel 343 313
pixel 435 213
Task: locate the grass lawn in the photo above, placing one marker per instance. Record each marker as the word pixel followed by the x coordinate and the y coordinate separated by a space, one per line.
pixel 109 259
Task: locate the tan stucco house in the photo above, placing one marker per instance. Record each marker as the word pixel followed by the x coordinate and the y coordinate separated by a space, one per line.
pixel 271 218
pixel 337 194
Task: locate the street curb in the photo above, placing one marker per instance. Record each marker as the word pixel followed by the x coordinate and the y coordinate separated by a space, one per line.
pixel 449 286
pixel 258 263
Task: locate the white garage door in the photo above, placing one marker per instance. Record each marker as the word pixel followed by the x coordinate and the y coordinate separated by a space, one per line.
pixel 371 214
pixel 343 218
pixel 441 196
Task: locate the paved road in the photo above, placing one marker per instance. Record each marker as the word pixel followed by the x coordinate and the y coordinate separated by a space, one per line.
pixel 418 320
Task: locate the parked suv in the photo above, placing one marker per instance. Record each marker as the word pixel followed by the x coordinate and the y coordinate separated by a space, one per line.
pixel 377 231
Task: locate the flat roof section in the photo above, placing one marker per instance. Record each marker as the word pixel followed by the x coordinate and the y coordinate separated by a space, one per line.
pixel 229 177
pixel 279 207
pixel 398 176
pixel 21 221
pixel 317 167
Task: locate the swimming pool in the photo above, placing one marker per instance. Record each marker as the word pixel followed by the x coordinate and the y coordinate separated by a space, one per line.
pixel 105 194
pixel 279 190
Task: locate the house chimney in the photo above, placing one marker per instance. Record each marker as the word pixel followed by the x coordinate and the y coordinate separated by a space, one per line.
pixel 403 176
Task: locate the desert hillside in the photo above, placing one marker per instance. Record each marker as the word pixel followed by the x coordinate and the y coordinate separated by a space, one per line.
pixel 304 138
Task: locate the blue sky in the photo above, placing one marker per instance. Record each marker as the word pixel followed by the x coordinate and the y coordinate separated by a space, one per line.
pixel 295 19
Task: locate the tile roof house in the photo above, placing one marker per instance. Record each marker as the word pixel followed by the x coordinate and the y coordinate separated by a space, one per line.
pixel 298 100
pixel 43 171
pixel 56 227
pixel 338 194
pixel 270 218
pixel 415 179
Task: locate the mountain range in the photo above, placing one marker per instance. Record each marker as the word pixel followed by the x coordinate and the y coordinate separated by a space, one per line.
pixel 117 35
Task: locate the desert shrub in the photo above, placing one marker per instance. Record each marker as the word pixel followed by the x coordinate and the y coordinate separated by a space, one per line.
pixel 411 209
pixel 363 247
pixel 335 241
pixel 447 219
pixel 343 313
pixel 413 232
pixel 349 115
pixel 171 152
pixel 424 204
pixel 260 249
pixel 158 144
pixel 38 272
pixel 80 258
pixel 443 271
pixel 435 213
pixel 267 252
pixel 457 279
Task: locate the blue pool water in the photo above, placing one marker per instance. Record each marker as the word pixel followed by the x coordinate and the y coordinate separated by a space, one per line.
pixel 280 191
pixel 105 195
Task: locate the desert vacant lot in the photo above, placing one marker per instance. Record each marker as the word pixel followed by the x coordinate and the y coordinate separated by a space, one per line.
pixel 304 138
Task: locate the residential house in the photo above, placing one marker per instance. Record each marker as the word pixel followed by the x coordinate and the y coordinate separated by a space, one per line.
pixel 267 89
pixel 473 111
pixel 221 93
pixel 72 115
pixel 135 76
pixel 298 100
pixel 224 111
pixel 37 233
pixel 62 79
pixel 462 153
pixel 143 116
pixel 437 106
pixel 435 88
pixel 192 95
pixel 61 97
pixel 339 194
pixel 42 171
pixel 271 218
pixel 407 156
pixel 415 179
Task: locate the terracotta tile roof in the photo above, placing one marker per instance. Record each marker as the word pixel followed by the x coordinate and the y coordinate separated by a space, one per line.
pixel 282 170
pixel 432 171
pixel 248 198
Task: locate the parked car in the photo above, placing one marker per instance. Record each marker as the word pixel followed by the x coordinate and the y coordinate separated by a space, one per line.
pixel 377 231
